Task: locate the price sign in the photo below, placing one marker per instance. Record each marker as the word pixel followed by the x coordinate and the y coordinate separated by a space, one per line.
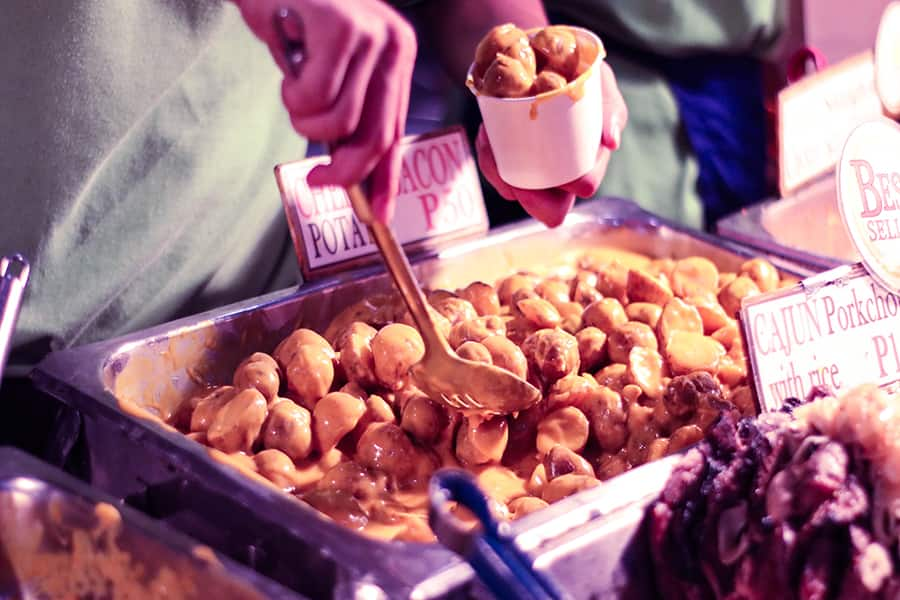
pixel 837 329
pixel 439 200
pixel 868 181
pixel 840 328
pixel 816 114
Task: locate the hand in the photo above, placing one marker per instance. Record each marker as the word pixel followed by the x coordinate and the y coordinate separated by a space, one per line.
pixel 351 88
pixel 551 206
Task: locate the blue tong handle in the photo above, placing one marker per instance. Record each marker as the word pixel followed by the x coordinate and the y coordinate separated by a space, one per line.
pixel 492 552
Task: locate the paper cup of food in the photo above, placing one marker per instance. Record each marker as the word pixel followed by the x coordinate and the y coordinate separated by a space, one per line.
pixel 541 101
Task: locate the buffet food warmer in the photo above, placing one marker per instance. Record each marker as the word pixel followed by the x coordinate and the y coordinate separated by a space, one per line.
pixel 123 390
pixel 804 227
pixel 60 538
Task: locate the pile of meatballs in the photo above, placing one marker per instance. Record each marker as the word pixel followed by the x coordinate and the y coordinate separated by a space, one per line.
pixel 509 63
pixel 636 358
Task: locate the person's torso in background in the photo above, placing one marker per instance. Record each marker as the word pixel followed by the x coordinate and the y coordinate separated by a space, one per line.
pixel 136 171
pixel 686 70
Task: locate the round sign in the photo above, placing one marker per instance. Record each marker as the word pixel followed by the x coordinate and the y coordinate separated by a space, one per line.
pixel 887 59
pixel 868 184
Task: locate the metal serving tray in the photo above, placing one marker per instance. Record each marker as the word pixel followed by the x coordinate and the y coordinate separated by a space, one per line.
pixel 805 227
pixel 61 539
pixel 110 384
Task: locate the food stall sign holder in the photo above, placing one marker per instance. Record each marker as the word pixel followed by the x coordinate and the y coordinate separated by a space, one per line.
pixel 842 327
pixel 816 114
pixel 887 59
pixel 439 201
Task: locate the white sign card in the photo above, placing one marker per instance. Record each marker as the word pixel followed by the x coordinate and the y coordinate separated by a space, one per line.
pixel 439 199
pixel 816 114
pixel 838 329
pixel 868 184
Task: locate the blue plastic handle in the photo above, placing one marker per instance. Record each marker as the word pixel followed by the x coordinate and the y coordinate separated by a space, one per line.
pixel 505 570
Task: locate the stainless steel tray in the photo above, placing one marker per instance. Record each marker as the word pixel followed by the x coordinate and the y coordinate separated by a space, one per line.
pixel 174 478
pixel 14 271
pixel 805 228
pixel 60 539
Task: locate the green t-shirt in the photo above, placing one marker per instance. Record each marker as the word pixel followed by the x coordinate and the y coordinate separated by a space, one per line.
pixel 655 164
pixel 136 173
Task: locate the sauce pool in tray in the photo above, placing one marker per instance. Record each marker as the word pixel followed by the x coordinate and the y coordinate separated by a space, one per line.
pixel 636 357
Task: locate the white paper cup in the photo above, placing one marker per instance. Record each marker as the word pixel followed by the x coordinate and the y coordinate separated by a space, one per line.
pixel 547 140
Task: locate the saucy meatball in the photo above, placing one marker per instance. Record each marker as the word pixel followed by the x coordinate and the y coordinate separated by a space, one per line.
pixel 483 297
pixel 277 467
pixel 507 77
pixel 335 416
pixel 551 354
pixel 562 461
pixel 301 338
pixel 608 420
pixel 288 428
pixel 556 49
pixel 455 309
pixel 547 81
pixel 540 312
pixel 504 39
pixel 475 330
pixel 238 423
pixel 481 441
pixel 506 355
pixel 475 352
pixel 259 371
pixel 591 348
pixel 423 418
pixel 208 406
pixel 355 347
pixel 385 447
pixel 629 335
pixel 605 314
pixel 395 349
pixel 686 393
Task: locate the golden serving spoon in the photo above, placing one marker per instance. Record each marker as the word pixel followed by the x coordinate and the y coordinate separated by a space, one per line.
pixel 459 383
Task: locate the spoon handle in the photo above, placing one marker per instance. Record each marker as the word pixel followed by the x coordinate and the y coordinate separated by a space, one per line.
pixel 398 266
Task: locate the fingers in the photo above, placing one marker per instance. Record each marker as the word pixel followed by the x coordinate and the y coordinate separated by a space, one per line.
pixel 586 185
pixel 551 206
pixel 325 78
pixel 488 165
pixel 384 181
pixel 352 87
pixel 355 158
pixel 340 118
pixel 260 18
pixel 615 112
pixel 547 206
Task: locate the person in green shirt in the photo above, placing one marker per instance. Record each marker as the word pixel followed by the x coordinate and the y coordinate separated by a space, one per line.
pixel 690 73
pixel 140 139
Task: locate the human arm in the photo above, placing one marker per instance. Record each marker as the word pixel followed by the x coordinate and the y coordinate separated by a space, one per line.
pixel 351 89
